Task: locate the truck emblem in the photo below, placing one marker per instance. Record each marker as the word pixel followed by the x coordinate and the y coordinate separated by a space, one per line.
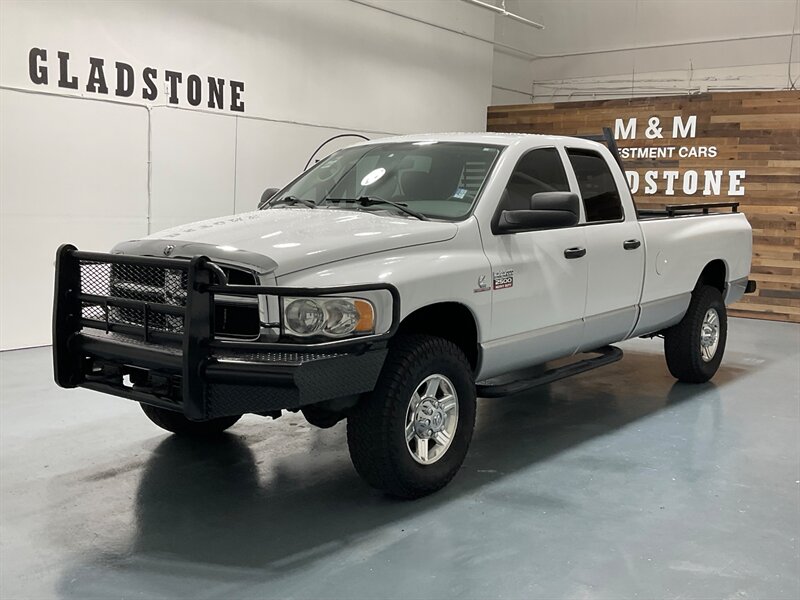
pixel 482 285
pixel 503 279
pixel 168 249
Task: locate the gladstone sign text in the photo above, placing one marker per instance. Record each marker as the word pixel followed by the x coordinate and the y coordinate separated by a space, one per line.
pixel 121 80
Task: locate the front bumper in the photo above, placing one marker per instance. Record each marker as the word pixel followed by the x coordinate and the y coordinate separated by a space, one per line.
pixel 190 370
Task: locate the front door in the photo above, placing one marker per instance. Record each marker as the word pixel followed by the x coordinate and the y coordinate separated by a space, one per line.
pixel 539 277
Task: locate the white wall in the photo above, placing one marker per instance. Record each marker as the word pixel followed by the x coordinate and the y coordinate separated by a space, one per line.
pixel 596 49
pixel 89 169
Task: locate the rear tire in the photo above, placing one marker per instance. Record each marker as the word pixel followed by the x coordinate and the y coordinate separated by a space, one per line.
pixel 694 347
pixel 410 436
pixel 178 424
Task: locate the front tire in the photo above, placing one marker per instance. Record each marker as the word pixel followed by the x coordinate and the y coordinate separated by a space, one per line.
pixel 694 347
pixel 178 424
pixel 410 437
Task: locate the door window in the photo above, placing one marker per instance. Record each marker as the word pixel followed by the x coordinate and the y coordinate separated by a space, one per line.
pixel 539 170
pixel 601 201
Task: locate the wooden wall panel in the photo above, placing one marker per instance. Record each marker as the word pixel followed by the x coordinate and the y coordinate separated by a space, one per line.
pixel 755 132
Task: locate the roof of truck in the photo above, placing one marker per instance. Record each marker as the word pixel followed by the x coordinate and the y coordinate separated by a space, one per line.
pixel 495 138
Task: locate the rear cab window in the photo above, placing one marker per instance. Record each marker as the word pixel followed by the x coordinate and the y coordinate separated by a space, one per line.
pixel 599 193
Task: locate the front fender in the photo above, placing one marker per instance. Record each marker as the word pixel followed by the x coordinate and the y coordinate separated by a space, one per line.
pixel 448 271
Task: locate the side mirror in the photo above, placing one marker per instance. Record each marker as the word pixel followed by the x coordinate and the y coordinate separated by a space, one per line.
pixel 566 201
pixel 548 210
pixel 268 194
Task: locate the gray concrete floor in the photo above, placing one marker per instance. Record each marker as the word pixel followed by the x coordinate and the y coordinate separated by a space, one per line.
pixel 615 484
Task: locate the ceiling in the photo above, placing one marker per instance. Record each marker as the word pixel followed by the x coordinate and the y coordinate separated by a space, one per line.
pixel 578 26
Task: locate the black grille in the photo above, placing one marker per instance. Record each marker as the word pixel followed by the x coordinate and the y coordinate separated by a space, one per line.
pixel 131 316
pixel 149 284
pixel 238 316
pixel 234 316
pixel 146 283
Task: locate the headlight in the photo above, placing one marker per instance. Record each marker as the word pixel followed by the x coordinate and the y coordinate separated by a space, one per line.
pixel 304 317
pixel 332 317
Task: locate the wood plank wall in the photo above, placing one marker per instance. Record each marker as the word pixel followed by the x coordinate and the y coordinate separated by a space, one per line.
pixel 758 132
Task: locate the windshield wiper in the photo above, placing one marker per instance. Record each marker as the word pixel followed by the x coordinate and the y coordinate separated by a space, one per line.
pixel 375 200
pixel 292 200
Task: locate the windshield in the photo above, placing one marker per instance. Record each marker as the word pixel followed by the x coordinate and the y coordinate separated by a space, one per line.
pixel 438 180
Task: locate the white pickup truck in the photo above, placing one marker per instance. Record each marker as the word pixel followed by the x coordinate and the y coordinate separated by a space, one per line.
pixel 392 283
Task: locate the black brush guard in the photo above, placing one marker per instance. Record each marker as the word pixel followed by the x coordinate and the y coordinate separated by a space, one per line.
pixel 189 369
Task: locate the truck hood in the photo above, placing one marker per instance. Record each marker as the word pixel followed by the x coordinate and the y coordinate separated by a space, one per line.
pixel 295 238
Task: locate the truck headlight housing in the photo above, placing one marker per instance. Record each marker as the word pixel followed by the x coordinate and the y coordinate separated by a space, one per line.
pixel 334 317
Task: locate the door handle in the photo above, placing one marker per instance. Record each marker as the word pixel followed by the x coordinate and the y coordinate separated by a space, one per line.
pixel 631 244
pixel 576 252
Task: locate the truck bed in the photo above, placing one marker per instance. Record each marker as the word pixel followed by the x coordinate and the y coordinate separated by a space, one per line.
pixel 684 210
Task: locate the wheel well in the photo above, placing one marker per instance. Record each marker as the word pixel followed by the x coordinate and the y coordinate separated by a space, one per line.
pixel 449 320
pixel 714 274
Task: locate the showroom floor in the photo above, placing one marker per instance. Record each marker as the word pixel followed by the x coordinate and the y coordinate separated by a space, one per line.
pixel 616 484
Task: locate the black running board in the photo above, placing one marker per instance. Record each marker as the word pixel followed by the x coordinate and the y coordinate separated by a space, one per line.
pixel 607 355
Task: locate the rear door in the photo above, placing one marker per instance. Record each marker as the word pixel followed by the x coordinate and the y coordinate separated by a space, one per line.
pixel 538 290
pixel 614 249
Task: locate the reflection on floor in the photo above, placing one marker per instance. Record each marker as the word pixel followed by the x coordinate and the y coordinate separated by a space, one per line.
pixel 618 483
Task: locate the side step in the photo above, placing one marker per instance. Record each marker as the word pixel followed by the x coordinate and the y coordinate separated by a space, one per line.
pixel 504 387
